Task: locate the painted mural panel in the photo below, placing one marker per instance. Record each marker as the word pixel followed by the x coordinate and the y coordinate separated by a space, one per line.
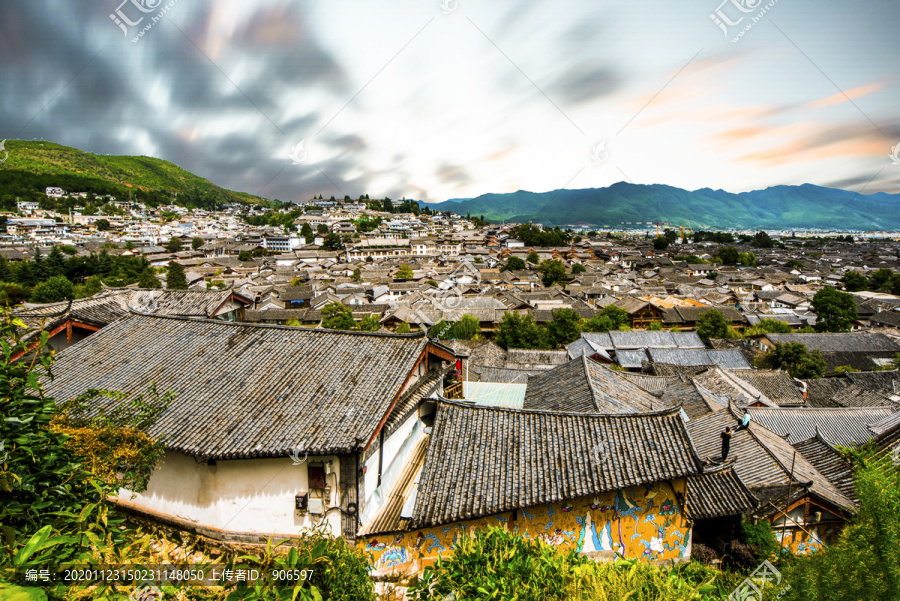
pixel 646 522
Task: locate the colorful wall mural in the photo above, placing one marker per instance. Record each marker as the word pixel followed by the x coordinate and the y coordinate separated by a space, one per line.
pixel 645 521
pixel 801 538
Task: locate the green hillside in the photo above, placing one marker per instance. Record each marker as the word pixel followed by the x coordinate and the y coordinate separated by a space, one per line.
pixel 805 206
pixel 32 166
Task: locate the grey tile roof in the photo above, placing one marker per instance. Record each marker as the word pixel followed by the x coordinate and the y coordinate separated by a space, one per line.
pixel 729 359
pixel 777 385
pixel 763 460
pixel 585 386
pixel 840 342
pixel 820 391
pixel 503 459
pixel 842 426
pixel 657 340
pixel 828 460
pixel 717 493
pixel 246 390
pixel 650 383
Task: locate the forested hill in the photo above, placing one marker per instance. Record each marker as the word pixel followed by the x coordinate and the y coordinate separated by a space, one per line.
pixel 805 206
pixel 32 166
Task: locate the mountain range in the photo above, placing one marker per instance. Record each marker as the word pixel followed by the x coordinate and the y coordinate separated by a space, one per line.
pixel 780 207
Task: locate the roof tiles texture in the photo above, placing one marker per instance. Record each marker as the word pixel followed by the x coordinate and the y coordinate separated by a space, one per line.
pixel 245 390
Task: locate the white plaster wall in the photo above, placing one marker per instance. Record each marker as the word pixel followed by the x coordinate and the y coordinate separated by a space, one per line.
pixel 396 450
pixel 241 495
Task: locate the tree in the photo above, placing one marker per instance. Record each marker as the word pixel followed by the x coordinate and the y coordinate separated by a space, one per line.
pixel 747 259
pixel 148 279
pixel 175 277
pixel 762 240
pixel 245 255
pixel 655 326
pixel 404 273
pixel 795 359
pixel 854 281
pixel 517 331
pixel 307 233
pixel 564 327
pixel 513 264
pixel 369 323
pixel 609 318
pixel 729 255
pixel 357 275
pixel 834 310
pixel 197 242
pixel 794 264
pixel 54 290
pixel 403 328
pixel 883 279
pixel 712 324
pixel 322 228
pixel 103 225
pixel 533 258
pixel 578 268
pixel 332 242
pixel 661 243
pixel 336 316
pixel 174 244
pixel 769 326
pixel 56 263
pixel 552 271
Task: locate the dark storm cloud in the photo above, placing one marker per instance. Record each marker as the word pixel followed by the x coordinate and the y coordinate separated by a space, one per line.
pixel 132 93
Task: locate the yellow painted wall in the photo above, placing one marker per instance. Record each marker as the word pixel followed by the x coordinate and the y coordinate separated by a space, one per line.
pixel 646 522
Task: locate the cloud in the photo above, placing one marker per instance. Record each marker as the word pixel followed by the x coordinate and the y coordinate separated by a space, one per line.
pixel 453 174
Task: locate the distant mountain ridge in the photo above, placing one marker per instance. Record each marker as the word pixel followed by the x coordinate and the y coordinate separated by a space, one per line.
pixel 31 166
pixel 778 207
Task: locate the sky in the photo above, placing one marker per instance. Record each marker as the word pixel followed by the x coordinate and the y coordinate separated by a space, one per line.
pixel 446 99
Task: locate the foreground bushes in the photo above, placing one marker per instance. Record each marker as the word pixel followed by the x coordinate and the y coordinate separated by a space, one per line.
pixel 495 564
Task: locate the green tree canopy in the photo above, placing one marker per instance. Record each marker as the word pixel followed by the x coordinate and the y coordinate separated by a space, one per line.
pixel 245 255
pixel 661 243
pixel 148 279
pixel 712 324
pixel 307 233
pixel 834 310
pixel 578 268
pixel 609 318
pixel 552 271
pixel 518 331
pixel 54 290
pixel 513 264
pixel 854 281
pixel 175 277
pixel 565 327
pixel 197 242
pixel 729 255
pixel 174 244
pixel 795 359
pixel 332 242
pixel 103 225
pixel 533 258
pixel 404 273
pixel 336 316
